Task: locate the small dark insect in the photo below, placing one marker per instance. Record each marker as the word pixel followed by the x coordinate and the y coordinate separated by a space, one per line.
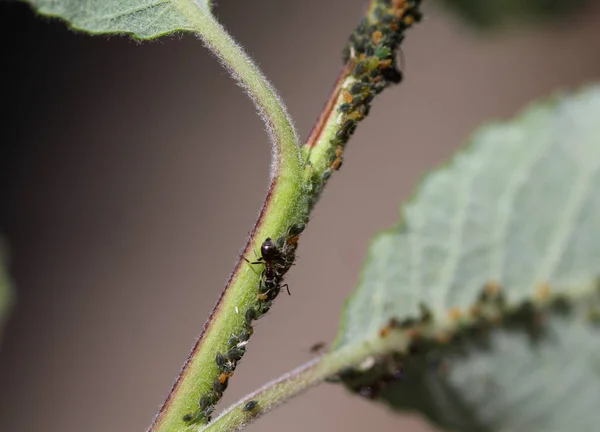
pixel 220 359
pixel 250 405
pixel 392 75
pixel 235 354
pixel 317 347
pixel 250 316
pixel 188 418
pixel 270 253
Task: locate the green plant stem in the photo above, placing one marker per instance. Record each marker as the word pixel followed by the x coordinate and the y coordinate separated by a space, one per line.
pixel 294 189
pixel 283 205
pixel 301 379
pixel 443 334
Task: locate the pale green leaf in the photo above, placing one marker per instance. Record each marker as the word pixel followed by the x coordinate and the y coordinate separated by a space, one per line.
pixel 511 385
pixel 519 206
pixel 143 19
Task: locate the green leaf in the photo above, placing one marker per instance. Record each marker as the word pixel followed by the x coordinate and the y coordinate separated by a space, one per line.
pixel 143 19
pixel 519 207
pixel 511 384
pixel 498 12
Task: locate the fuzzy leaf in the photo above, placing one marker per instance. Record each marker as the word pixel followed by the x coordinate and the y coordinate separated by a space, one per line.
pixel 510 384
pixel 519 206
pixel 143 19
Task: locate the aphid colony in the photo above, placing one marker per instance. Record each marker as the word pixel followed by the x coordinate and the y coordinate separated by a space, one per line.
pixel 277 258
pixel 427 342
pixel 371 57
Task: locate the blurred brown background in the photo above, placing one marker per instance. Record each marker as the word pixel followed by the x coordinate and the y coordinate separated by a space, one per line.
pixel 131 175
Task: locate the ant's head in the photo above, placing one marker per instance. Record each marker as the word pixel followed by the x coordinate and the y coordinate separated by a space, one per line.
pixel 269 250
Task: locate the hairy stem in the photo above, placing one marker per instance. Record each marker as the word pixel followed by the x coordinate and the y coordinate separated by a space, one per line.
pixel 370 60
pixel 201 378
pixel 299 380
pixel 366 366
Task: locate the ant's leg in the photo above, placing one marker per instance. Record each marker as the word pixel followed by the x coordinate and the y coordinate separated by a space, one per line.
pixel 251 264
pixel 287 288
pixel 260 261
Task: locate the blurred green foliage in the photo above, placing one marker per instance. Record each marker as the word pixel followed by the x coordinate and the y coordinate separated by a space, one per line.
pixel 494 13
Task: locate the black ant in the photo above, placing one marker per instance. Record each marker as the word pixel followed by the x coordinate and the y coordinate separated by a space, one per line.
pixel 275 266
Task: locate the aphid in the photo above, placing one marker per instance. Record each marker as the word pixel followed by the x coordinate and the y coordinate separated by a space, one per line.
pixel 542 292
pixel 347 96
pixel 337 164
pixel 250 405
pixel 345 107
pixel 250 315
pixel 317 347
pixel 593 315
pixel 188 418
pixel 264 307
pixel 382 52
pixel 207 412
pixel 225 376
pixel 359 69
pixel 206 401
pixel 406 323
pixel 220 359
pixel 443 338
pixel 297 229
pixel 219 387
pixel 235 354
pixel 426 314
pixel 475 311
pixel 357 88
pixel 492 287
pixel 384 64
pixel 413 333
pixel 561 305
pixel 384 331
pixel 408 20
pixel 376 36
pixel 392 75
pixel 455 314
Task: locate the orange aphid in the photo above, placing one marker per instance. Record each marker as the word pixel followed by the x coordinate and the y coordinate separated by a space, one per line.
pixel 224 377
pixel 496 319
pixel 412 333
pixel 384 331
pixel 542 291
pixel 409 20
pixel 475 311
pixel 492 287
pixel 293 241
pixel 455 314
pixel 347 96
pixel 384 64
pixel 443 338
pixel 376 36
pixel 336 164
